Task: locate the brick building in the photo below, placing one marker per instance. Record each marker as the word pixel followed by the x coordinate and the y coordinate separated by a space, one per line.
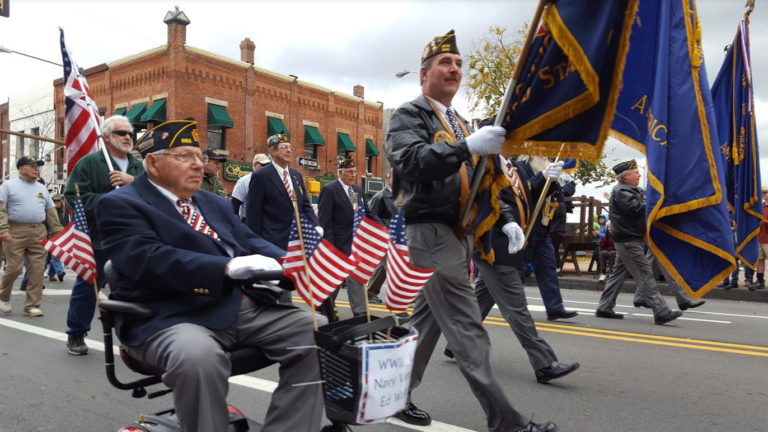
pixel 237 105
pixel 5 142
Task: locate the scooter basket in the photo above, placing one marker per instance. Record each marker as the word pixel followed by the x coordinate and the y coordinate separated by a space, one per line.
pixel 340 360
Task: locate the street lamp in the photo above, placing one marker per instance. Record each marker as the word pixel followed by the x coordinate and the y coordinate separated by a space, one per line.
pixel 403 73
pixel 10 51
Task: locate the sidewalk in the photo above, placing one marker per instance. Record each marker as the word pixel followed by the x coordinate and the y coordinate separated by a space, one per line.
pixel 587 281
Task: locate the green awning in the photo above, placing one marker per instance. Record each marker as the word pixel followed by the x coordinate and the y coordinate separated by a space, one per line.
pixel 218 116
pixel 345 143
pixel 276 126
pixel 134 114
pixel 312 136
pixel 155 113
pixel 121 111
pixel 370 148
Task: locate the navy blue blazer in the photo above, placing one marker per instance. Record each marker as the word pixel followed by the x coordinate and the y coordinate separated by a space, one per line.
pixel 163 262
pixel 268 207
pixel 337 215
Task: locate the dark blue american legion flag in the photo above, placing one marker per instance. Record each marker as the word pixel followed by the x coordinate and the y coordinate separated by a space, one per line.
pixel 72 246
pixel 665 110
pixel 326 268
pixel 571 76
pixel 734 106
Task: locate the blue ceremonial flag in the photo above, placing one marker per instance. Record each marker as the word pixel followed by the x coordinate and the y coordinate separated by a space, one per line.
pixel 734 110
pixel 566 95
pixel 665 110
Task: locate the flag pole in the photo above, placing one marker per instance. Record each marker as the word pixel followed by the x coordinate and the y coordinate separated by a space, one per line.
pixel 480 169
pixel 96 280
pixel 299 227
pixel 540 202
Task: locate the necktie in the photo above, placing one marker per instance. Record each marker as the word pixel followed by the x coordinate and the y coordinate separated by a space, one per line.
pixel 286 182
pixel 352 197
pixel 454 123
pixel 195 219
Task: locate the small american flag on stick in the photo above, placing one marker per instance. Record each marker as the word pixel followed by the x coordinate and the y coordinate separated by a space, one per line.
pixel 72 246
pixel 404 280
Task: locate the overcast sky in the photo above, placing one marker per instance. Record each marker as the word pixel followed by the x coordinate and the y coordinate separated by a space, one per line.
pixel 335 44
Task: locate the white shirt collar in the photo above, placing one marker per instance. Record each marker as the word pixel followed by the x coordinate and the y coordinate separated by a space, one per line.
pixel 168 194
pixel 439 106
pixel 280 170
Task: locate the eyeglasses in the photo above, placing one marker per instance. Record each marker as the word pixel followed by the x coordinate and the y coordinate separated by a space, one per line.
pixel 186 157
pixel 284 147
pixel 122 133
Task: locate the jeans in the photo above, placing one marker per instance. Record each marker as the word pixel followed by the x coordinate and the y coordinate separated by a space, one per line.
pixel 82 301
pixel 55 267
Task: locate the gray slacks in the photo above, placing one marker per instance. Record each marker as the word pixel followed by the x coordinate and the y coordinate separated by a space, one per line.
pixel 630 258
pixel 501 284
pixel 448 304
pixel 197 367
pixel 357 296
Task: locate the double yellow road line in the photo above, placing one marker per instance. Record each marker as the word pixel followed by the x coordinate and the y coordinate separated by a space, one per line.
pixel 724 347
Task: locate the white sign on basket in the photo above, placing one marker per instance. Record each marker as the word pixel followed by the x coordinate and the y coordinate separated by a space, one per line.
pixel 385 378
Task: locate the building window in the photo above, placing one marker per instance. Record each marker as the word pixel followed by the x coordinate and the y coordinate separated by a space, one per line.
pixel 369 164
pixel 19 145
pixel 34 147
pixel 217 137
pixel 310 151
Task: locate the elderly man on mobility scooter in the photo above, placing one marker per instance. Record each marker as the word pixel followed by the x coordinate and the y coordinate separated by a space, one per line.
pixel 182 253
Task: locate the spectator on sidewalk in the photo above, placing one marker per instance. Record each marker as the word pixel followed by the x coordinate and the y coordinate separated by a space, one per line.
pixel 762 239
pixel 55 267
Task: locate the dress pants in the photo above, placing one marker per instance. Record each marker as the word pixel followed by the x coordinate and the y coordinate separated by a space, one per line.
pixel 680 295
pixel 630 258
pixel 448 304
pixel 357 296
pixel 25 243
pixel 377 279
pixel 541 253
pixel 197 367
pixel 501 284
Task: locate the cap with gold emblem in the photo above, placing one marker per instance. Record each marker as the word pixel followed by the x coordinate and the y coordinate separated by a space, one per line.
pixel 347 163
pixel 277 139
pixel 28 160
pixel 173 133
pixel 624 166
pixel 440 44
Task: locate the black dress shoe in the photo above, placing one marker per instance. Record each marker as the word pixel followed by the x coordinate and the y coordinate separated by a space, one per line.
pixel 724 285
pixel 412 415
pixel 448 353
pixel 642 303
pixel 608 314
pixel 564 313
pixel 555 371
pixel 691 304
pixel 671 316
pixel 731 286
pixel 533 427
pixel 375 299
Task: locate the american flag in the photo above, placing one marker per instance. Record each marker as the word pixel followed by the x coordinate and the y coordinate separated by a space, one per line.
pixel 404 281
pixel 82 121
pixel 72 246
pixel 328 266
pixel 369 245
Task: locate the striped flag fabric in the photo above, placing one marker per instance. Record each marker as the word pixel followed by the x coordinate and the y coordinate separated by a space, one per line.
pixel 327 266
pixel 404 280
pixel 369 245
pixel 82 122
pixel 72 245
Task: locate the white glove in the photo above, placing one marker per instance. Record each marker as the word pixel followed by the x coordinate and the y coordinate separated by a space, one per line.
pixel 245 266
pixel 320 230
pixel 553 170
pixel 515 235
pixel 565 179
pixel 487 140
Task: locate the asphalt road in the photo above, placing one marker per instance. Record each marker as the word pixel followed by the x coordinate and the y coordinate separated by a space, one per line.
pixel 703 372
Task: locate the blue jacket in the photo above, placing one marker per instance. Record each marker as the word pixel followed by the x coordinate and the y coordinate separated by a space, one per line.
pixel 163 262
pixel 337 215
pixel 269 209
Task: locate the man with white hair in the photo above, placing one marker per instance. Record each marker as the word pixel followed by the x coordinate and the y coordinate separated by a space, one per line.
pixel 93 179
pixel 627 210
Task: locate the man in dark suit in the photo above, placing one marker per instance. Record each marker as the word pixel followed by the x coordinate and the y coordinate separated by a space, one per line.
pixel 269 206
pixel 336 207
pixel 183 253
pixel 382 205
